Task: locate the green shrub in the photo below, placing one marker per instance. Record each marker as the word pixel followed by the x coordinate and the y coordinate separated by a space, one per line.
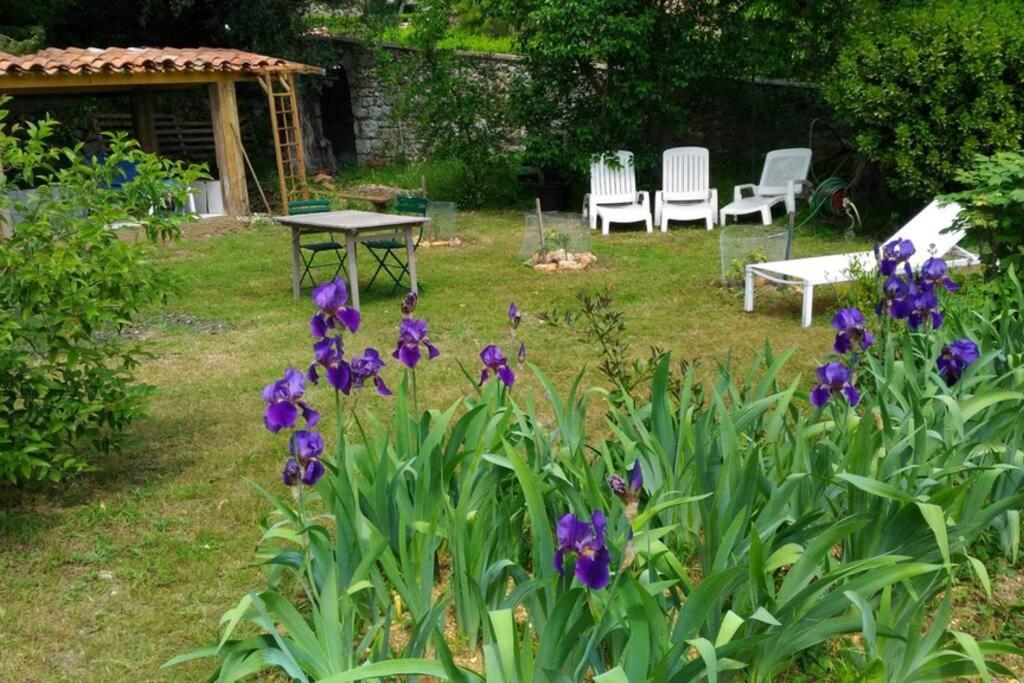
pixel 926 87
pixel 69 284
pixel 994 208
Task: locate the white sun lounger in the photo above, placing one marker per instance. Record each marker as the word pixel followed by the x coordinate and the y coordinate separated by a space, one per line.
pixel 927 230
pixel 613 196
pixel 784 176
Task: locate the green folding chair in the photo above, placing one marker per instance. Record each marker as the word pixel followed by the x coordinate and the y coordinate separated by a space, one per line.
pixel 390 252
pixel 324 244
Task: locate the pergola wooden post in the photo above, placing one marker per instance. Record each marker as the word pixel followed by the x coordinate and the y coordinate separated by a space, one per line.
pixel 142 71
pixel 228 144
pixel 144 118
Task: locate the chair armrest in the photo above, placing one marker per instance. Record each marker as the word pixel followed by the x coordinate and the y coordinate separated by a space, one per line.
pixel 713 198
pixel 737 192
pixel 644 197
pixel 802 185
pixel 659 198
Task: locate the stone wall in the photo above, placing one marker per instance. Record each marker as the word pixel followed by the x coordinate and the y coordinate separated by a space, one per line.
pixel 380 136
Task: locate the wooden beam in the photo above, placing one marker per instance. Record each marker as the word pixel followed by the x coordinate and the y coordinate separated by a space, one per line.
pixel 47 83
pixel 144 118
pixel 230 165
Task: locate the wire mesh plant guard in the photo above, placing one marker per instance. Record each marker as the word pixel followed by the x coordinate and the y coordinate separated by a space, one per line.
pixel 566 241
pixel 741 245
pixel 441 230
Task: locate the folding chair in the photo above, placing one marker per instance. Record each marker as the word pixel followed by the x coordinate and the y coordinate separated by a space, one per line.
pixel 390 252
pixel 325 242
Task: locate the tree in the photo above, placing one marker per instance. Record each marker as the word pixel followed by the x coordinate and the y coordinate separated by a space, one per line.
pixel 928 86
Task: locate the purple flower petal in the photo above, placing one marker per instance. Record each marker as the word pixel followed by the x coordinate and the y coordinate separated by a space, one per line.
pixel 340 377
pixel 506 375
pixel 820 395
pixel 592 570
pixel 311 416
pixel 851 394
pixel 382 388
pixel 636 477
pixel 314 470
pixel 409 355
pixel 433 352
pixel 349 317
pixel 842 343
pixel 280 416
pixel 318 325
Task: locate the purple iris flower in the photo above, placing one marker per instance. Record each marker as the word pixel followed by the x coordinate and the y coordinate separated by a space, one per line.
pixel 284 401
pixel 514 318
pixel 494 361
pixel 935 271
pixel 328 353
pixel 834 379
pixel 306 445
pixel 412 333
pixel 586 541
pixel 330 298
pixel 367 367
pixel 522 353
pixel 850 331
pixel 304 465
pixel 631 490
pixel 955 358
pixel 409 303
pixel 893 254
pixel 925 307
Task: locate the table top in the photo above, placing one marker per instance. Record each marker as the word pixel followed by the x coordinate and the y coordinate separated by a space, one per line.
pixel 351 221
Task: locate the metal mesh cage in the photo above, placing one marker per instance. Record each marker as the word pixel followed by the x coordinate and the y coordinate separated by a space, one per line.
pixel 442 220
pixel 741 245
pixel 561 231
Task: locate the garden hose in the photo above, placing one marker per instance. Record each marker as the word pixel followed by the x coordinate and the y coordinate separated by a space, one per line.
pixel 829 196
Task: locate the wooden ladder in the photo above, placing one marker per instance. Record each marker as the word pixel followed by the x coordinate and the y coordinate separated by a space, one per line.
pixel 287 127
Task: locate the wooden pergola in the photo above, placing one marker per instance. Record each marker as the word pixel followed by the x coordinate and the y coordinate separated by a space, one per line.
pixel 142 71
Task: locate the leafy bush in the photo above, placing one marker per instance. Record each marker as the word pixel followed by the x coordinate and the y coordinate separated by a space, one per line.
pixel 926 87
pixel 69 284
pixel 737 534
pixel 994 208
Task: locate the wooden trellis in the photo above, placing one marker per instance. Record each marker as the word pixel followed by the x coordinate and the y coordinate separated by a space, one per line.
pixel 287 127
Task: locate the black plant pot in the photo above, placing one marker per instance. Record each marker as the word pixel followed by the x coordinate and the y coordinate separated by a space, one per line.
pixel 554 196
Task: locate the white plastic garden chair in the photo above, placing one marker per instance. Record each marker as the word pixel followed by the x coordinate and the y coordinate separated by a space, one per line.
pixel 613 196
pixel 928 230
pixel 686 193
pixel 784 176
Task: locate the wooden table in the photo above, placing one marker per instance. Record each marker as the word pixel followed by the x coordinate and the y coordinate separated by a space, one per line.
pixel 358 226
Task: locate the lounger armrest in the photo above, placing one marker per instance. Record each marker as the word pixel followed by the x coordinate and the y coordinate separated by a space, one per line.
pixel 802 185
pixel 644 197
pixel 737 192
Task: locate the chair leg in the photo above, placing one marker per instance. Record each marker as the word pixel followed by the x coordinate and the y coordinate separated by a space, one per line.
pixel 721 219
pixel 604 226
pixel 709 221
pixel 766 215
pixel 808 306
pixel 748 291
pixel 664 223
pixel 647 220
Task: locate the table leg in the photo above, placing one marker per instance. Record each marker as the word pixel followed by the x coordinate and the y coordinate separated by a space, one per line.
pixel 410 250
pixel 296 263
pixel 353 276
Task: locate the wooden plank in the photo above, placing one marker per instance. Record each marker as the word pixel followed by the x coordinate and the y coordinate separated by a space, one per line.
pixel 35 83
pixel 224 115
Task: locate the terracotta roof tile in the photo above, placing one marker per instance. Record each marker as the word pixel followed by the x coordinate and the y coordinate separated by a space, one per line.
pixel 75 60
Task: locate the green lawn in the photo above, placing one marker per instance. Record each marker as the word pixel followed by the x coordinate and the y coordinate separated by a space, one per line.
pixel 108 576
